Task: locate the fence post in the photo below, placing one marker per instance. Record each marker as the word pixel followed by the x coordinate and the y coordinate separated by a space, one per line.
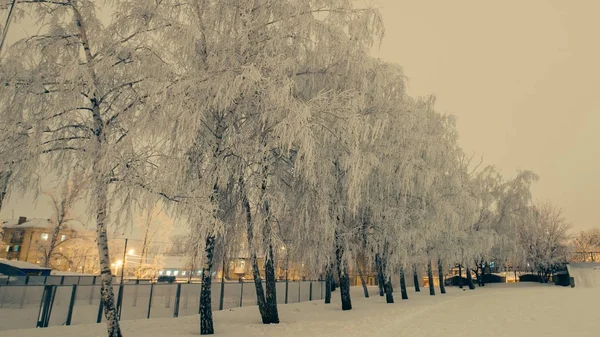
pixel 177 299
pixel 286 288
pixel 71 305
pixel 150 301
pixel 222 293
pixel 27 280
pixel 62 280
pixel 242 294
pixel 120 301
pixel 99 317
pixel 46 307
pixel 310 291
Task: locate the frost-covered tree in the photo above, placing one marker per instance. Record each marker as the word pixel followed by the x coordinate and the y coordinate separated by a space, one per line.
pixel 586 245
pixel 89 92
pixel 62 200
pixel 544 238
pixel 252 117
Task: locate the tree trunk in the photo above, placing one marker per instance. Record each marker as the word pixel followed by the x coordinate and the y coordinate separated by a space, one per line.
pixel 106 290
pixel 477 275
pixel 389 296
pixel 206 321
pixel 4 178
pixel 403 285
pixel 416 279
pixel 260 294
pixel 380 278
pixel 483 273
pixel 344 279
pixel 362 280
pixel 469 279
pixel 430 278
pixel 271 297
pixel 441 276
pixel 460 278
pixel 52 244
pixel 328 282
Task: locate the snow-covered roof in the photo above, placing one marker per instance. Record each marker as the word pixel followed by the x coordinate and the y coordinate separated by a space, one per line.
pixel 37 223
pixel 29 223
pixel 22 264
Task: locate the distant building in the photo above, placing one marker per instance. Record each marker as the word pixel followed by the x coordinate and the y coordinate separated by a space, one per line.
pixel 25 239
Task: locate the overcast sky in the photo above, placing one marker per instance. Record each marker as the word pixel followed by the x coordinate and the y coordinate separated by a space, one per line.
pixel 522 78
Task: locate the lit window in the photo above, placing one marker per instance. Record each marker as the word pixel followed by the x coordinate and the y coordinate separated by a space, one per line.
pixel 176 272
pixel 63 237
pixel 160 273
pixel 8 250
pixel 44 236
pixel 199 272
pixel 183 273
pixel 16 249
pixel 168 273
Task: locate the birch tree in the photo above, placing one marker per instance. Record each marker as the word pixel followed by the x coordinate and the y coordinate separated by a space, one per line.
pixel 87 92
pixel 253 116
pixel 63 200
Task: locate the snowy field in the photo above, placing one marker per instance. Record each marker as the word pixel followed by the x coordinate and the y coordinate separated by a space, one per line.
pixel 515 309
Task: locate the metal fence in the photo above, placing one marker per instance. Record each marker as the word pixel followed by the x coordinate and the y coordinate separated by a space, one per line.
pixel 30 306
pixel 64 280
pixel 585 257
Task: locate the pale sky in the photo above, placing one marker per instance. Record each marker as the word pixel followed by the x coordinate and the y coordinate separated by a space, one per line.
pixel 519 75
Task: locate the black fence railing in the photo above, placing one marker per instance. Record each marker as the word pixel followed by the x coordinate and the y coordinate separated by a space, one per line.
pixel 64 280
pixel 585 257
pixel 44 305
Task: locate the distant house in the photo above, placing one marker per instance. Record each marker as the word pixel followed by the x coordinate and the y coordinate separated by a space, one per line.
pixel 23 238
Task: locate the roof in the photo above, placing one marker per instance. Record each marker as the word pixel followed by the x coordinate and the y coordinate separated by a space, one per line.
pixel 29 223
pixel 37 223
pixel 22 264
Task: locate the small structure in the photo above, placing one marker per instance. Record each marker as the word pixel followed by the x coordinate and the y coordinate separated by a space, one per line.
pixel 20 268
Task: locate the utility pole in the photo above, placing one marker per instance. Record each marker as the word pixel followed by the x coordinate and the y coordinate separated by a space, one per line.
pixel 124 257
pixel 5 32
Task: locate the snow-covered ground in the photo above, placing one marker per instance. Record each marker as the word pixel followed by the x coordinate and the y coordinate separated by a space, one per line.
pixel 515 309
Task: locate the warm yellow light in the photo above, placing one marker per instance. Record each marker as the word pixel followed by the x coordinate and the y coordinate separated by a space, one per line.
pixel 131 251
pixel 118 263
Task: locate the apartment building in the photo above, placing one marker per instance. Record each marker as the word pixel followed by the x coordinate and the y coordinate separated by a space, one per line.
pixel 27 240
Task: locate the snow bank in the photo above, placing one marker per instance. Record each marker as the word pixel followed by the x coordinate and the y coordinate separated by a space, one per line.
pixel 586 275
pixel 496 310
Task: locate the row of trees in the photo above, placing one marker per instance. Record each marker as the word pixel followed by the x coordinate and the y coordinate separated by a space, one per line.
pixel 259 123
